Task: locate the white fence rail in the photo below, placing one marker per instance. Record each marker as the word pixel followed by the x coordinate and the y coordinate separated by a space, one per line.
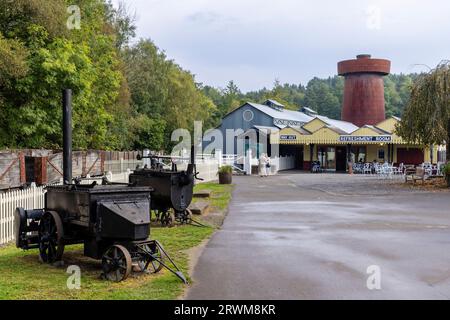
pixel 31 198
pixel 283 163
pixel 120 166
pixel 207 168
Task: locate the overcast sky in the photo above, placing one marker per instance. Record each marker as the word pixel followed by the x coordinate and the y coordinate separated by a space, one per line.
pixel 254 42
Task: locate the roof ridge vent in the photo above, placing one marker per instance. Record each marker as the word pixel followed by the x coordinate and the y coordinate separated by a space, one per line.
pixel 308 111
pixel 274 104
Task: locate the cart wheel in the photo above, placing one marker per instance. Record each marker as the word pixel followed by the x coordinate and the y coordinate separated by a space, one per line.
pixel 167 218
pixel 51 233
pixel 188 216
pixel 154 266
pixel 185 217
pixel 116 263
pixel 156 213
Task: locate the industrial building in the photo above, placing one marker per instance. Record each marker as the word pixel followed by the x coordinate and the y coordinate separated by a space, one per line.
pixel 363 135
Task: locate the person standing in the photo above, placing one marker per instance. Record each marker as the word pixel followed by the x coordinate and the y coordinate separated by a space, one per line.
pixel 264 165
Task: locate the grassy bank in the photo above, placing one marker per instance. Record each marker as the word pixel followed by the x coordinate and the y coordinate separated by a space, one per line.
pixel 22 276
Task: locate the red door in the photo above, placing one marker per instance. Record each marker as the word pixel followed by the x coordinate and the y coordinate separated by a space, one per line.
pixel 410 156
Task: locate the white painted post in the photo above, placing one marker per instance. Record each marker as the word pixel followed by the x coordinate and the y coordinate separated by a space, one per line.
pixel 34 194
pixel 219 157
pixel 127 175
pixel 248 162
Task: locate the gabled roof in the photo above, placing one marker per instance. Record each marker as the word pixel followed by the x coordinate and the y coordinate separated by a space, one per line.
pixel 282 113
pixel 300 129
pixel 388 124
pixel 335 129
pixel 344 126
pixel 369 130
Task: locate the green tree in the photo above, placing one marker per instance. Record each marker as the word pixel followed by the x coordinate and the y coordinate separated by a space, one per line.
pixel 48 58
pixel 163 91
pixel 426 118
pixel 321 98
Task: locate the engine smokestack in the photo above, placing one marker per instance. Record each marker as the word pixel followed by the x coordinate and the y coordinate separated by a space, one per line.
pixel 67 136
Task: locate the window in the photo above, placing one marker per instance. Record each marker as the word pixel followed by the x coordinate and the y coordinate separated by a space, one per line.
pixel 248 115
pixel 381 154
pixel 358 154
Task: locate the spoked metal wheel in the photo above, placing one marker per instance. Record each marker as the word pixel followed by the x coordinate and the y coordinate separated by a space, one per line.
pixel 167 218
pixel 51 233
pixel 157 215
pixel 116 263
pixel 185 217
pixel 151 263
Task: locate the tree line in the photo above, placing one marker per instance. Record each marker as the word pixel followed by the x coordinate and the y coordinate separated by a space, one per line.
pixel 127 94
pixel 322 95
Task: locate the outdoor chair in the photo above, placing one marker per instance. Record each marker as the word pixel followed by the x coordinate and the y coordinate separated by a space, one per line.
pixel 399 170
pixel 367 168
pixel 427 166
pixel 357 168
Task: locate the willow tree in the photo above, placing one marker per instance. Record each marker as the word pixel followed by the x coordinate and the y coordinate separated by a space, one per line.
pixel 426 119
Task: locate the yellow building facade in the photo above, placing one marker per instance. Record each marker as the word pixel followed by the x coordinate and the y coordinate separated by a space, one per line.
pixel 334 143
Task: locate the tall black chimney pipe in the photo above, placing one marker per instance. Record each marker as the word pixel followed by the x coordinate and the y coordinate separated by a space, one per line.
pixel 67 136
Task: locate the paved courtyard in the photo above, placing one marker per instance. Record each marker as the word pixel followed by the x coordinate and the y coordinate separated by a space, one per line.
pixel 305 236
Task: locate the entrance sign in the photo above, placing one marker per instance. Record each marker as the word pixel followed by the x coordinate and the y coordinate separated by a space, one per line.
pixel 365 138
pixel 288 137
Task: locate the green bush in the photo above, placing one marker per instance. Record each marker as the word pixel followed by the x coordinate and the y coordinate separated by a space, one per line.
pixel 225 169
pixel 446 168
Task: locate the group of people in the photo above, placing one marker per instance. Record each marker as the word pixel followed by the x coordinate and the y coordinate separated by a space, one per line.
pixel 264 165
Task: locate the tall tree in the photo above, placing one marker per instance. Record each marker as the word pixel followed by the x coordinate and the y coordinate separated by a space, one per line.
pixel 427 115
pixel 163 92
pixel 49 57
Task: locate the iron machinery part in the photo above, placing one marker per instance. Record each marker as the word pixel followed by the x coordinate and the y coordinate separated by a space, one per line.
pixel 157 254
pixel 184 217
pixel 51 237
pixel 165 217
pixel 26 226
pixel 67 136
pixel 150 257
pixel 20 224
pixel 116 263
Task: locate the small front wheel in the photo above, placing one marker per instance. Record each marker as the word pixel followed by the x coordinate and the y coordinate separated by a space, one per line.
pixel 167 218
pixel 116 263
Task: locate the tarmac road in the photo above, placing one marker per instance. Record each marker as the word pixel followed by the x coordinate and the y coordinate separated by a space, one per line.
pixel 304 236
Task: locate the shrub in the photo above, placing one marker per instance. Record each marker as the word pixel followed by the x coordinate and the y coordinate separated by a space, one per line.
pixel 225 169
pixel 446 168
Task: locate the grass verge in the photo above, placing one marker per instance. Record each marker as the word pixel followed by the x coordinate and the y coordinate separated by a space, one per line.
pixel 22 276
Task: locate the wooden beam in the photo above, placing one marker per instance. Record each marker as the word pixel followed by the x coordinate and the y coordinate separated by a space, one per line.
pixel 40 170
pixel 23 173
